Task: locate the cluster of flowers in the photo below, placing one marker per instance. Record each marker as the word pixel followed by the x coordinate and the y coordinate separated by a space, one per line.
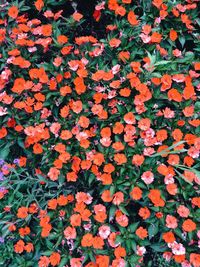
pixel 100 136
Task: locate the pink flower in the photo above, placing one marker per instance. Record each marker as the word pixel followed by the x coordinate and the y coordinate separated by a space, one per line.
pixel 99 208
pixel 183 211
pixel 171 222
pixel 169 179
pixel 119 262
pixel 167 256
pixel 104 231
pixel 116 69
pixel 168 113
pixel 147 177
pixel 75 262
pixel 140 251
pixel 177 248
pixel 118 198
pixel 193 152
pixel 148 151
pixel 70 233
pixel 186 264
pixel 55 127
pixel 57 61
pixel 145 38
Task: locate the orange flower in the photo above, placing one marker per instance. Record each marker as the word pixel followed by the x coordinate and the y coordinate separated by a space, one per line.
pixel 144 213
pixel 29 247
pixel 156 37
pixel 3 133
pixel 97 242
pixel 120 158
pixel 172 189
pixel 39 4
pixel 44 261
pixel 71 176
pixel 53 174
pixel 129 118
pixel 62 39
pixel 120 10
pixel 47 30
pixel 79 85
pixel 77 16
pixel 106 196
pixel 174 94
pixel 136 193
pixel 54 259
pixel 138 160
pixel 197 66
pixel 195 259
pixel 75 220
pixel 114 42
pixel 141 232
pixel 102 260
pixel 173 35
pixel 52 204
pixel 24 231
pixel 144 124
pixel 169 237
pixel 37 149
pixel 124 56
pixel 19 86
pixel 121 218
pixel 13 12
pixel 189 225
pixel 155 197
pixel 19 246
pixel 132 19
pixel 87 240
pixel 120 252
pixel 22 212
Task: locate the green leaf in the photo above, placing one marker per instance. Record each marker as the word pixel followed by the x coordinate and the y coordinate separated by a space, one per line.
pixel 153 230
pixel 133 227
pixel 5 152
pixel 159 247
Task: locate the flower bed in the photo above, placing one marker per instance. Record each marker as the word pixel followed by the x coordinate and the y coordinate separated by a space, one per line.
pixel 99 133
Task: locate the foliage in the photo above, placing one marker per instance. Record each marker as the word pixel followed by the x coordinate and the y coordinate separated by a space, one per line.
pixel 99 133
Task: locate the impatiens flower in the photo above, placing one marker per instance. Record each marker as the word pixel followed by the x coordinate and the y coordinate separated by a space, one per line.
pixel 147 177
pixel 141 232
pixel 70 233
pixel 55 259
pixel 114 42
pixel 77 16
pixel 104 231
pixel 183 211
pixel 19 246
pixel 44 261
pixel 171 222
pixel 177 248
pixel 188 225
pixel 75 262
pixel 140 251
pixel 13 12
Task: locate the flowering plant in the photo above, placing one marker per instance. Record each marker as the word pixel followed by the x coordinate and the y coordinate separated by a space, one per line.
pixel 99 133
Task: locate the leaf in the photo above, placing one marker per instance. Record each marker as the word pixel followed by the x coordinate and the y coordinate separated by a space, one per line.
pixel 5 152
pixel 159 247
pixel 167 150
pixel 153 230
pixel 63 262
pixel 162 62
pixel 183 177
pixel 133 227
pixel 122 208
pixel 112 213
